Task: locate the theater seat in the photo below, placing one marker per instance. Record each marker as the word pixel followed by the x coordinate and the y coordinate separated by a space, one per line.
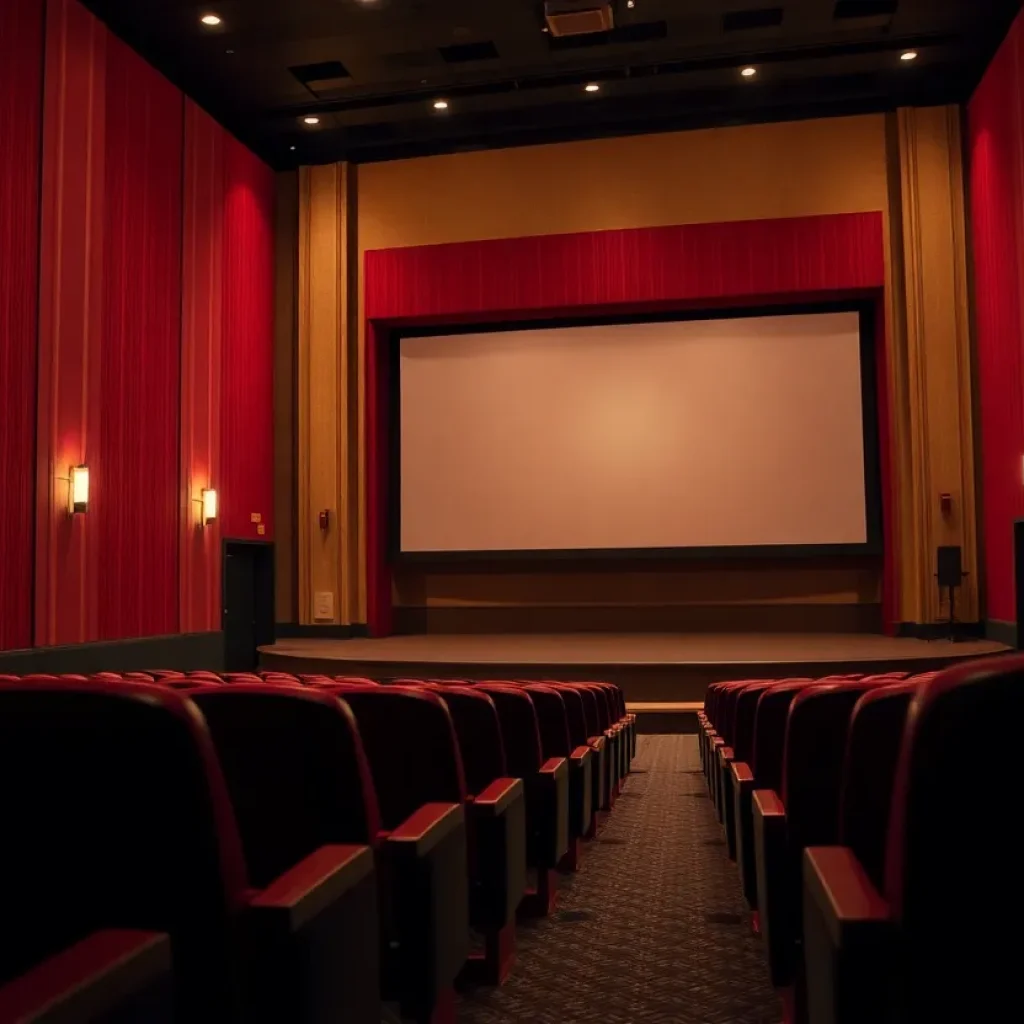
pixel 938 942
pixel 496 806
pixel 116 817
pixel 600 790
pixel 296 770
pixel 547 789
pixel 553 720
pixel 804 812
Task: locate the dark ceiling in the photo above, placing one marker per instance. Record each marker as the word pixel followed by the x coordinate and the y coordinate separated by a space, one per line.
pixel 371 70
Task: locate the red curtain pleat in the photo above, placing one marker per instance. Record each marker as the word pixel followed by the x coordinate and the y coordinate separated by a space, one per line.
pixel 996 147
pixel 21 61
pixel 632 271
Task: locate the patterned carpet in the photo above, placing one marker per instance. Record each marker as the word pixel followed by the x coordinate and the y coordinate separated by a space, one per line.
pixel 653 929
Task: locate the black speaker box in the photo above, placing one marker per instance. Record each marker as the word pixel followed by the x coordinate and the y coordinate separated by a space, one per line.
pixel 950 565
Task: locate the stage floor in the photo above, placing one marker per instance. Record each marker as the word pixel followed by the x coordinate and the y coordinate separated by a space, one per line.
pixel 653 667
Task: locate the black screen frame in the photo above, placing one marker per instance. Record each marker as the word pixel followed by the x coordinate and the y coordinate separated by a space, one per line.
pixel 873 546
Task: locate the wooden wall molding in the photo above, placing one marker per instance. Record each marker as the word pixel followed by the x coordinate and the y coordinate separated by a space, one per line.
pixel 930 361
pixel 327 373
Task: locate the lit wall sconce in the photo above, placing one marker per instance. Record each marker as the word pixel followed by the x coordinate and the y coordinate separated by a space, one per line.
pixel 209 504
pixel 79 489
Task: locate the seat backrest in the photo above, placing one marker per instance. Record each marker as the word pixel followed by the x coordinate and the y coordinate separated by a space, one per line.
pixel 552 719
pixel 520 730
pixel 479 733
pixel 869 770
pixel 411 748
pixel 575 714
pixel 295 769
pixel 770 733
pixel 116 815
pixel 815 746
pixel 743 719
pixel 591 718
pixel 604 716
pixel 952 864
pixel 730 694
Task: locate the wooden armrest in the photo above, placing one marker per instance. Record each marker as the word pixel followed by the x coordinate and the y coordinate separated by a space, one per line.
pixel 725 753
pixel 596 742
pixel 554 766
pixel 837 882
pixel 88 980
pixel 314 883
pixel 741 773
pixel 498 795
pixel 767 801
pixel 580 755
pixel 424 829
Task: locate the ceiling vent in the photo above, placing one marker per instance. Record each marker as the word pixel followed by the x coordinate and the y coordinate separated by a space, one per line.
pixel 578 17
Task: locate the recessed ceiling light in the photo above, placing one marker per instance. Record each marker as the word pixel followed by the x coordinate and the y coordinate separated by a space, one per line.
pixel 909 55
pixel 592 87
pixel 440 104
pixel 631 4
pixel 210 19
pixel 292 148
pixel 311 120
pixel 748 72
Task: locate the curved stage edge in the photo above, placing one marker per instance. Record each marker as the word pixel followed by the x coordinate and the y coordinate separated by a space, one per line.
pixel 663 676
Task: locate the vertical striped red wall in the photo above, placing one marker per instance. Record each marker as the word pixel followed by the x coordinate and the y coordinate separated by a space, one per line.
pixel 21 33
pixel 247 420
pixel 140 321
pixel 996 138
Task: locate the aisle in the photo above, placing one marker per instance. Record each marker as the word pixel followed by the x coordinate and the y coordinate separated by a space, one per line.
pixel 652 930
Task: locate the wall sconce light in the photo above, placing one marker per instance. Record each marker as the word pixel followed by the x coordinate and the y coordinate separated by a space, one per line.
pixel 79 490
pixel 209 504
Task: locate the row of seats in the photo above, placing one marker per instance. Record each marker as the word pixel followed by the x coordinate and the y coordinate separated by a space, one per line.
pixel 862 833
pixel 204 847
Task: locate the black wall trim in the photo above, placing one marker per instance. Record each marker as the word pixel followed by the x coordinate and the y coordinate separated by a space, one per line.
pixel 940 630
pixel 186 651
pixel 1001 632
pixel 294 631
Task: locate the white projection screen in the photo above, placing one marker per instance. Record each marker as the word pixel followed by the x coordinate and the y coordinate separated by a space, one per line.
pixel 739 433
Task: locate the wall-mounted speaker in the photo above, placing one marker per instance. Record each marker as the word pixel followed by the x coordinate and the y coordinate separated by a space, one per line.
pixel 950 566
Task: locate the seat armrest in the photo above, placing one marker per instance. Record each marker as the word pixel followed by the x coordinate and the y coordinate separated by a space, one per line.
pixel 497 796
pixel 599 785
pixel 848 939
pixel 548 813
pixel 312 940
pixel 427 869
pixel 742 788
pixel 579 755
pixel 424 829
pixel 554 766
pixel 581 791
pixel 725 753
pixel 775 895
pixel 498 868
pixel 302 892
pixel 123 973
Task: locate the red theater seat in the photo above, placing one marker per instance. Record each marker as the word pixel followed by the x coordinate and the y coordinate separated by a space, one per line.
pixel 805 814
pixel 600 793
pixel 547 788
pixel 298 777
pixel 612 742
pixel 938 942
pixel 497 819
pixel 553 720
pixel 116 817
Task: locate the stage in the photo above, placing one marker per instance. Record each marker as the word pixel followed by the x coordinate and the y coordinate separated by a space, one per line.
pixel 661 674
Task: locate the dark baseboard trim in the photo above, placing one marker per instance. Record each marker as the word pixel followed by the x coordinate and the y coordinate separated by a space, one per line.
pixel 185 651
pixel 1001 632
pixel 940 630
pixel 765 618
pixel 295 631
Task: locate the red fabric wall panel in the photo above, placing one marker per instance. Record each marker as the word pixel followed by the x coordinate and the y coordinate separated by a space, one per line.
pixel 21 62
pixel 996 140
pixel 247 407
pixel 201 334
pixel 70 319
pixel 700 265
pixel 136 475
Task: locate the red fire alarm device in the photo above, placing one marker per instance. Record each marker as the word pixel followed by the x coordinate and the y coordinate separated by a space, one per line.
pixel 946 503
pixel 325 520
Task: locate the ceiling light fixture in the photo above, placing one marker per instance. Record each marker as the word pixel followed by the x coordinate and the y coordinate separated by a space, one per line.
pixel 440 104
pixel 748 72
pixel 909 55
pixel 311 120
pixel 631 4
pixel 212 20
pixel 592 87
